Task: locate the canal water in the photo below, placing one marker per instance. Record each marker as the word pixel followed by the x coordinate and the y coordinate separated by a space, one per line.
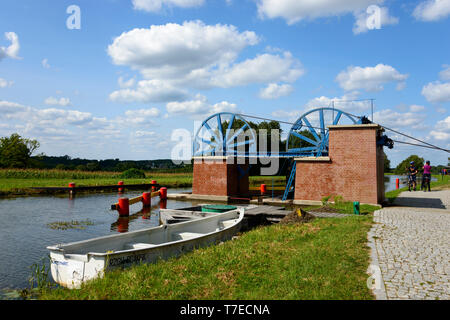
pixel 389 182
pixel 28 226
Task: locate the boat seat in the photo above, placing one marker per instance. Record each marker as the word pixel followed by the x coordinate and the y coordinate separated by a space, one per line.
pixel 138 245
pixel 185 235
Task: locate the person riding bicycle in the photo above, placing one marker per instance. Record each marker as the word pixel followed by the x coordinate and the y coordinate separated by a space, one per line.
pixel 426 176
pixel 412 172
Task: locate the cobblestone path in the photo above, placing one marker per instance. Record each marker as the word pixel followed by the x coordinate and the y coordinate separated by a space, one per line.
pixel 411 246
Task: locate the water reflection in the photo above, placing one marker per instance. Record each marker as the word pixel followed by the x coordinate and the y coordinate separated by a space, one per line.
pixel 122 223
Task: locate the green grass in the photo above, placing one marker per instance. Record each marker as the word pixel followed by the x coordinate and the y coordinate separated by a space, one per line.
pixel 19 181
pixel 323 259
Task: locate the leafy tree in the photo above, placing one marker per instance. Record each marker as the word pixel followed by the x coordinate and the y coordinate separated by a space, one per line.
pixel 387 163
pixel 15 151
pixel 401 168
pixel 93 166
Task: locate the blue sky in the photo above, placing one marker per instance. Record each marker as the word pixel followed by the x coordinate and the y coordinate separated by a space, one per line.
pixel 138 69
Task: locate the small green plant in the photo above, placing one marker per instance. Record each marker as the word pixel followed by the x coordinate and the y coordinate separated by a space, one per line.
pixel 132 173
pixel 338 199
pixel 325 200
pixel 74 224
pixel 38 280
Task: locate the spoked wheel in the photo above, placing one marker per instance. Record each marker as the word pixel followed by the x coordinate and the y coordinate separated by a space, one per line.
pixel 309 135
pixel 224 134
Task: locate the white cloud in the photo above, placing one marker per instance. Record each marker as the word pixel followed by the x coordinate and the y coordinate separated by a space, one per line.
pixel 394 119
pixel 156 5
pixel 274 91
pixel 369 78
pixel 262 69
pixel 12 51
pixel 445 74
pixel 5 83
pixel 200 107
pixel 149 91
pixel 52 101
pixel 173 50
pixel 141 116
pixel 173 58
pixel 294 10
pixel 45 63
pixel 432 10
pixel 126 83
pixel 437 91
pixel 416 108
pixel 442 130
pixel 362 17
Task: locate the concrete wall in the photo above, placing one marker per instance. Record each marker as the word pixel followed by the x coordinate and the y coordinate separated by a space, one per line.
pixel 353 170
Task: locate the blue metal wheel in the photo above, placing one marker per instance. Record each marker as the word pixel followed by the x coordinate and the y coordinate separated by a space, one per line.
pixel 309 135
pixel 224 133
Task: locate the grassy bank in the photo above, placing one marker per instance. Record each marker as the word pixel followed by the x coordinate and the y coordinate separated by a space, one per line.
pixel 322 259
pixel 19 181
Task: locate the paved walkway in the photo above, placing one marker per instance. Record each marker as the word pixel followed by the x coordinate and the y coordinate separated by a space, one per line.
pixel 411 246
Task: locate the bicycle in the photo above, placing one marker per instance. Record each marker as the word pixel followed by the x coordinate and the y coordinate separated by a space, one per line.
pixel 410 182
pixel 425 182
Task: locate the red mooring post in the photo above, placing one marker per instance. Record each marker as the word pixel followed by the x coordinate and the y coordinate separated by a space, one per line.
pixel 163 193
pixel 163 204
pixel 397 183
pixel 124 207
pixel 146 199
pixel 120 183
pixel 72 186
pixel 154 188
pixel 263 189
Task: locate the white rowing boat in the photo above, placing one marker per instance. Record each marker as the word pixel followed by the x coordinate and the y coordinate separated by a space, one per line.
pixel 169 216
pixel 77 262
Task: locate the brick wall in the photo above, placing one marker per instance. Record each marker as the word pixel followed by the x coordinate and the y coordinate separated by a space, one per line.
pixel 354 169
pixel 219 178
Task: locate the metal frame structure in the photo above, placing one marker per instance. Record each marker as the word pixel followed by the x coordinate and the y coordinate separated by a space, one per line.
pixel 211 139
pixel 220 142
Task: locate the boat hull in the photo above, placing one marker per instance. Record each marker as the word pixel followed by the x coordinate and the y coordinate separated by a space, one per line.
pixel 71 269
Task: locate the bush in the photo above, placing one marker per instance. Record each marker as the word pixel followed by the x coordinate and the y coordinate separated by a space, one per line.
pixel 132 173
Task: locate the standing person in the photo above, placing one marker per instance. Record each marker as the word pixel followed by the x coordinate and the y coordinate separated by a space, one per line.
pixel 426 175
pixel 412 172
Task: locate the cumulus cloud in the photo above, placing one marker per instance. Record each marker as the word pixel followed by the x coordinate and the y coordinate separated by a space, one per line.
pixel 293 10
pixel 445 74
pixel 170 50
pixel 45 63
pixel 149 91
pixel 437 91
pixel 442 130
pixel 12 51
pixel 126 83
pixel 394 119
pixel 156 5
pixel 274 91
pixel 52 101
pixel 199 107
pixel 361 23
pixel 370 78
pixel 432 10
pixel 416 108
pixel 173 58
pixel 262 69
pixel 5 83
